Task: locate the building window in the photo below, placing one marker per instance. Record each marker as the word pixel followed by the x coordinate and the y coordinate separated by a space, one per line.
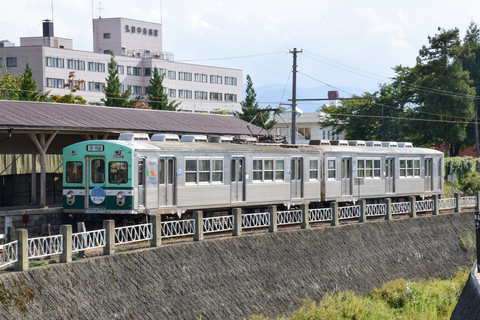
pixel 214 96
pixel 231 81
pixel 107 36
pixel 185 94
pixel 187 76
pixel 120 69
pixel 55 83
pixel 134 71
pixel 146 91
pixel 201 95
pixel 95 86
pixel 107 51
pixel 96 66
pixel 147 72
pixel 144 31
pixel 268 170
pixel 79 84
pixel 137 90
pixel 172 75
pixel 216 79
pixel 313 169
pixel 200 77
pixel 304 133
pixel 76 64
pixel 124 51
pixel 331 169
pixel 230 97
pixel 53 62
pixel 172 93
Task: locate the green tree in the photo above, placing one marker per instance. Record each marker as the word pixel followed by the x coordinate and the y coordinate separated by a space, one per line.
pixel 113 97
pixel 157 98
pixel 9 86
pixel 28 87
pixel 443 89
pixel 250 110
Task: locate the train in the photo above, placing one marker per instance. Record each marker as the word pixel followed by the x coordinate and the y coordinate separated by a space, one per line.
pixel 165 175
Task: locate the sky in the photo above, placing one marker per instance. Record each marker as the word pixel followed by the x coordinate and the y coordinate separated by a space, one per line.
pixel 350 46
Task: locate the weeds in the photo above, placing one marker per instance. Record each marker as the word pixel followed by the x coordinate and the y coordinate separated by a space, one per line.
pixel 467 239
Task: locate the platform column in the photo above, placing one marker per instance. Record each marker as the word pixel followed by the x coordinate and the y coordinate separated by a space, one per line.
pixel 363 210
pixel 109 226
pixel 334 207
pixel 157 231
pixel 198 216
pixel 237 221
pixel 458 208
pixel 305 216
pixel 21 235
pixel 388 212
pixel 436 209
pixel 273 218
pixel 66 232
pixel 413 207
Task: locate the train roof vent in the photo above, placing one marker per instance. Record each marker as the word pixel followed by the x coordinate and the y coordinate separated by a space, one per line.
pixel 220 139
pixel 129 136
pixel 389 144
pixel 319 142
pixel 339 142
pixel 244 139
pixel 373 143
pixel 405 145
pixel 194 138
pixel 357 143
pixel 165 137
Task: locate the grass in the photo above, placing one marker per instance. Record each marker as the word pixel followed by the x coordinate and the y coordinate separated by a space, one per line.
pixel 398 299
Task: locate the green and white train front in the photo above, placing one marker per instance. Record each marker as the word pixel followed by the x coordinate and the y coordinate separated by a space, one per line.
pixel 98 178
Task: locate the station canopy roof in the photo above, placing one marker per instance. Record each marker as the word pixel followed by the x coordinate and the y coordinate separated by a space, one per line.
pixel 74 118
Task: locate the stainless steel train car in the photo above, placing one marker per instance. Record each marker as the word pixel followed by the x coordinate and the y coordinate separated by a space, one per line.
pixel 173 177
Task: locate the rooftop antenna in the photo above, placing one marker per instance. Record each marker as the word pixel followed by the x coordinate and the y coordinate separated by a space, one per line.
pixel 52 10
pixel 100 10
pixel 161 12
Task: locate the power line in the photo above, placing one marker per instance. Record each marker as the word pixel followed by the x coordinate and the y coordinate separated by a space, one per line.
pixel 231 58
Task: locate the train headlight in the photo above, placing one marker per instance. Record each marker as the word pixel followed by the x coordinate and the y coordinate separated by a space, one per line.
pixel 70 198
pixel 121 198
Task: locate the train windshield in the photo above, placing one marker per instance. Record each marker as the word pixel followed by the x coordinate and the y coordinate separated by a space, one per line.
pixel 74 172
pixel 118 172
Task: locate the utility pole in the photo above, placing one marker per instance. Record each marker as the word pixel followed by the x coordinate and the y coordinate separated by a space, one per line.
pixel 294 94
pixel 476 131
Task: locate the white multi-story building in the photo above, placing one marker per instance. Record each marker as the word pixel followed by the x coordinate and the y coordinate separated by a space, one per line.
pixel 137 46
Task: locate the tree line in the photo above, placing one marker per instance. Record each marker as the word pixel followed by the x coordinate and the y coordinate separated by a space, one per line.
pixel 430 104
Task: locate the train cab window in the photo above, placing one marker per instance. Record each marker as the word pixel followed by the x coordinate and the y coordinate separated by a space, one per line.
pixel 331 169
pixel 118 172
pixel 98 171
pixel 313 169
pixel 74 172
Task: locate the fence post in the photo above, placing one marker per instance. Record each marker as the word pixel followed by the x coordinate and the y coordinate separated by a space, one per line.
pixel 109 248
pixel 334 207
pixel 305 216
pixel 156 231
pixel 237 222
pixel 273 219
pixel 477 201
pixel 66 232
pixel 198 216
pixel 458 208
pixel 388 212
pixel 436 209
pixel 21 235
pixel 413 207
pixel 363 210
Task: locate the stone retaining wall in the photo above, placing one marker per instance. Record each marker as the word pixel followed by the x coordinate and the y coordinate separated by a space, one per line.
pixel 234 278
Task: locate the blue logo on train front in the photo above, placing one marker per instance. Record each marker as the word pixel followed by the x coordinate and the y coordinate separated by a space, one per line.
pixel 97 195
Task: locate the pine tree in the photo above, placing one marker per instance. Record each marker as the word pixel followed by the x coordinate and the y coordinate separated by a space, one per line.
pixel 113 97
pixel 157 98
pixel 28 87
pixel 250 109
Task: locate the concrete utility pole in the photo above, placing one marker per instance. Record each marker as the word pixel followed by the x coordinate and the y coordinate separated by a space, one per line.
pixel 477 149
pixel 294 95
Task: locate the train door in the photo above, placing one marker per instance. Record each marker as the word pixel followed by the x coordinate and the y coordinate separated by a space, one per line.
pixel 237 180
pixel 346 172
pixel 389 175
pixel 166 181
pixel 141 183
pixel 428 174
pixel 95 186
pixel 296 180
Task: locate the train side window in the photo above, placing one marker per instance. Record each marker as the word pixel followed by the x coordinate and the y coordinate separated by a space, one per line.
pixel 361 168
pixel 204 170
pixel 416 168
pixel 191 171
pixel 331 169
pixel 369 169
pixel 403 168
pixel 98 171
pixel 313 169
pixel 376 168
pixel 409 168
pixel 118 172
pixel 74 172
pixel 268 170
pixel 257 170
pixel 279 170
pixel 217 170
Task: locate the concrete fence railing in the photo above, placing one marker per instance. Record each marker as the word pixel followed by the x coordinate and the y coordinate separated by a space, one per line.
pixel 20 251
